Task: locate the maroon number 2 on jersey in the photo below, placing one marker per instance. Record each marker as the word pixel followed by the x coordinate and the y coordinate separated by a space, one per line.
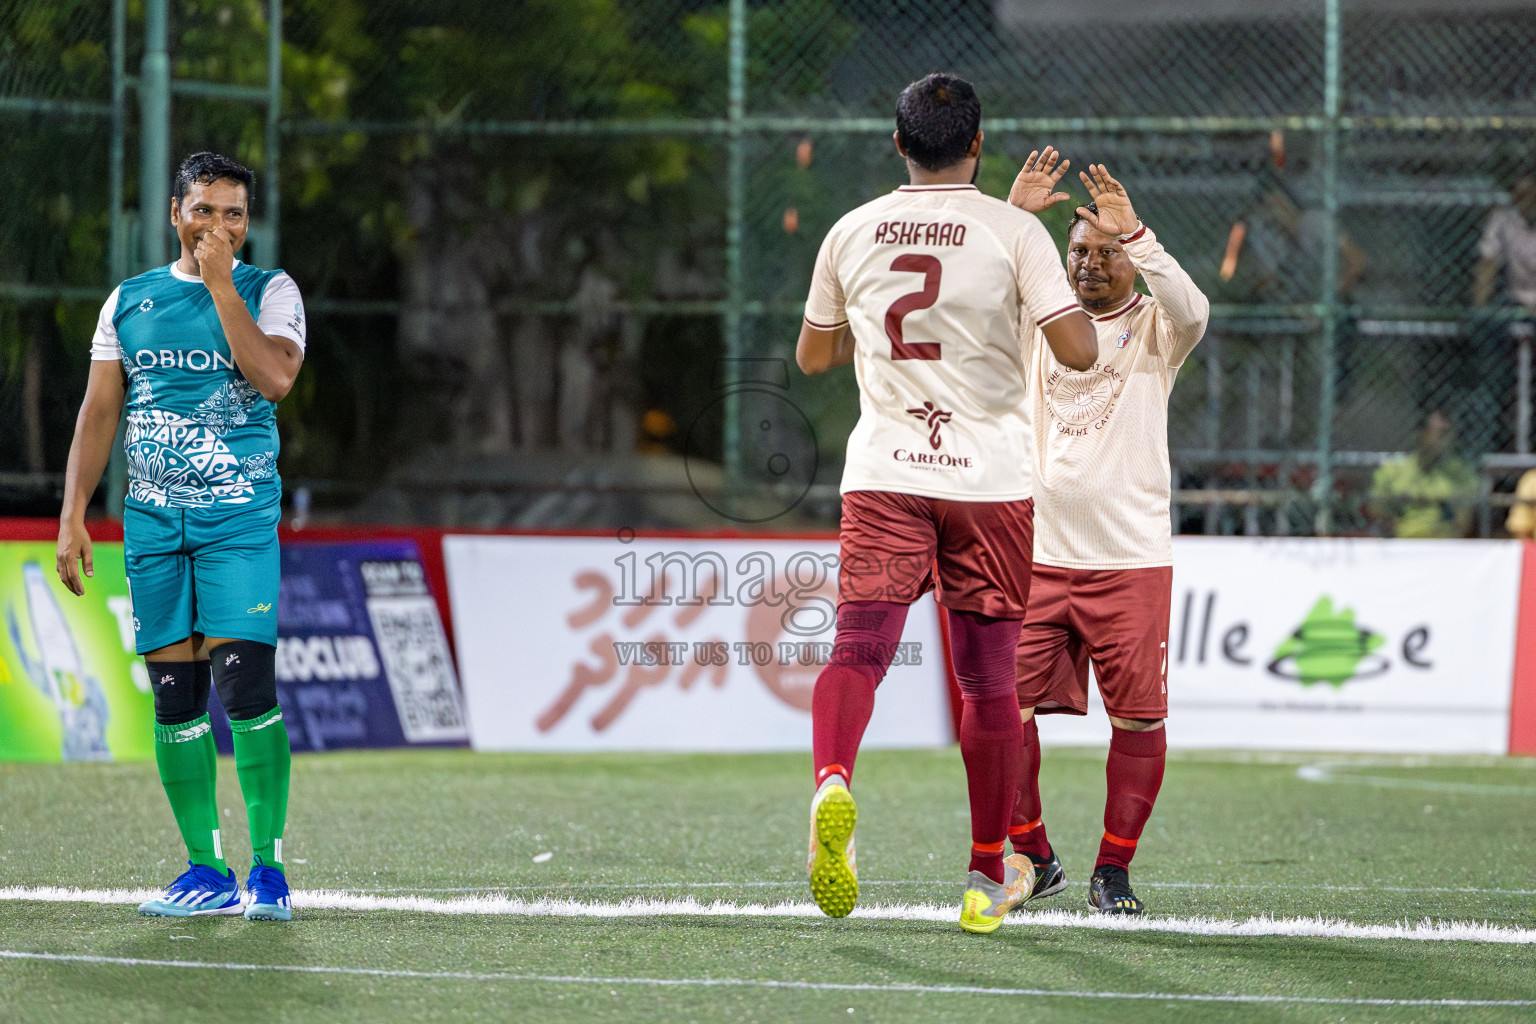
pixel 931 269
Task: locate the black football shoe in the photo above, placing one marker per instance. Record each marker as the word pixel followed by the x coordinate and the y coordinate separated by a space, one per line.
pixel 1109 891
pixel 1050 879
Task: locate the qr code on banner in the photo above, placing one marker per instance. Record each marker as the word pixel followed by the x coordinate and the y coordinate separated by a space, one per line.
pixel 415 655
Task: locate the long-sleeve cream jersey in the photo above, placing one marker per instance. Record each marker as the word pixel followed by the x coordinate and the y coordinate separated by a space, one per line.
pixel 1101 435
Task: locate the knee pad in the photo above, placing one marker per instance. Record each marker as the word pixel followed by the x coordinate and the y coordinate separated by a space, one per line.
pixel 180 689
pixel 246 674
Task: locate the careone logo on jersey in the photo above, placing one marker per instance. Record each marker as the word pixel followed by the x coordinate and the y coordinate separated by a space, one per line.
pixel 934 419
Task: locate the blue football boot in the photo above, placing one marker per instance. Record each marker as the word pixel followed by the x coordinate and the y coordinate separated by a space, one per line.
pixel 268 889
pixel 200 891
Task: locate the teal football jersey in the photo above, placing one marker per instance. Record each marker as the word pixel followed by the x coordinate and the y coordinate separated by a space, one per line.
pixel 199 435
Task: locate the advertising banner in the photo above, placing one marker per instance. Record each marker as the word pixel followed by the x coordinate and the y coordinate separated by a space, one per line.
pixel 1335 644
pixel 70 686
pixel 571 643
pixel 362 660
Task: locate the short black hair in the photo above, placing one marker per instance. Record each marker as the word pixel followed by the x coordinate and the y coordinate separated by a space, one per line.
pixel 206 168
pixel 937 117
pixel 1092 208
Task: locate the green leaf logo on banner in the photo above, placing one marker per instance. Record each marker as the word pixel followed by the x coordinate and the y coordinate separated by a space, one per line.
pixel 1328 647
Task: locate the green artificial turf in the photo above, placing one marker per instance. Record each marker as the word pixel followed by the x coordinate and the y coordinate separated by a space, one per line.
pixel 1380 841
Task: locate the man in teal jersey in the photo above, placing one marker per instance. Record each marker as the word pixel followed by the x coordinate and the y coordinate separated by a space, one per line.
pixel 201 350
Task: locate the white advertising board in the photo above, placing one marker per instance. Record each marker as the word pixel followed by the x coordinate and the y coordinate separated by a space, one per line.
pixel 571 643
pixel 1335 644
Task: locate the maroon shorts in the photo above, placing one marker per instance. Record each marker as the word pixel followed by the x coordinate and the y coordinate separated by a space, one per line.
pixel 977 554
pixel 1115 618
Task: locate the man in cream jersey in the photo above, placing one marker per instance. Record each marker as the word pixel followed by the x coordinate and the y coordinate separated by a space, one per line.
pixel 1103 569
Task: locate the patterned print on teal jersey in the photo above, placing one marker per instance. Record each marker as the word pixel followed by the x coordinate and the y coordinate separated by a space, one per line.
pixel 199 435
pixel 228 407
pixel 261 466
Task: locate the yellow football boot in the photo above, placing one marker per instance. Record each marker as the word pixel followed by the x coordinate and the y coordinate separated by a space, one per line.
pixel 834 874
pixel 986 903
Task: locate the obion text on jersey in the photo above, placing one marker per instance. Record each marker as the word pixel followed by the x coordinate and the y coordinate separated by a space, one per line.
pixel 182 359
pixel 910 232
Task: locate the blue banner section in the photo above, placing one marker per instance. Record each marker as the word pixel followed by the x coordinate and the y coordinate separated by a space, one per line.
pixel 362 660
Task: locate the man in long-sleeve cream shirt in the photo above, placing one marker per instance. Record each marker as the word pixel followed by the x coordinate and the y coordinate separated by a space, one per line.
pixel 1103 569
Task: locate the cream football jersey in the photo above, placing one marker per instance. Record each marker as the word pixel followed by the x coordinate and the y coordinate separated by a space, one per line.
pixel 943 288
pixel 1101 434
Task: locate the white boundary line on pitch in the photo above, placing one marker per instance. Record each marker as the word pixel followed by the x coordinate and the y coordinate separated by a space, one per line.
pixel 1344 772
pixel 553 887
pixel 560 887
pixel 814 986
pixel 1296 927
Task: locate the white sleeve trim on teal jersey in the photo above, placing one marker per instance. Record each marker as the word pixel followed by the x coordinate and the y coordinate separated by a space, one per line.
pixel 282 310
pixel 104 344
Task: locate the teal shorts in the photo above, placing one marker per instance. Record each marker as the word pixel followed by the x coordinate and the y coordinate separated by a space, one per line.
pixel 212 571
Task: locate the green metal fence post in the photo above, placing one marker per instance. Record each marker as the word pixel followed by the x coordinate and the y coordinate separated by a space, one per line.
pixel 154 134
pixel 1329 304
pixel 735 291
pixel 270 208
pixel 117 244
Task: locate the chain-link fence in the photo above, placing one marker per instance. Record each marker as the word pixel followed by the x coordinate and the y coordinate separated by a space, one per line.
pixel 554 252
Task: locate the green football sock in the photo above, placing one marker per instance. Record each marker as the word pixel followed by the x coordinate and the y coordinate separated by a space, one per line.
pixel 261 761
pixel 188 769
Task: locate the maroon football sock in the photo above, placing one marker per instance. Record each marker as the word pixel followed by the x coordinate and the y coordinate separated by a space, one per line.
pixel 990 730
pixel 1134 773
pixel 841 704
pixel 844 698
pixel 988 859
pixel 989 744
pixel 1027 831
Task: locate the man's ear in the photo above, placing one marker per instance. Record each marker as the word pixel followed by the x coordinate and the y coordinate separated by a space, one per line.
pixel 175 210
pixel 975 150
pixel 896 138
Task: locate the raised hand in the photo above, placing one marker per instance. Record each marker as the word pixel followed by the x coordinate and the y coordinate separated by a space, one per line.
pixel 1115 217
pixel 1034 188
pixel 215 257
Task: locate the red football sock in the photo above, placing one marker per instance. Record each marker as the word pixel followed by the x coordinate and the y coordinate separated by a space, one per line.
pixel 990 731
pixel 1027 832
pixel 989 744
pixel 844 698
pixel 1134 773
pixel 841 704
